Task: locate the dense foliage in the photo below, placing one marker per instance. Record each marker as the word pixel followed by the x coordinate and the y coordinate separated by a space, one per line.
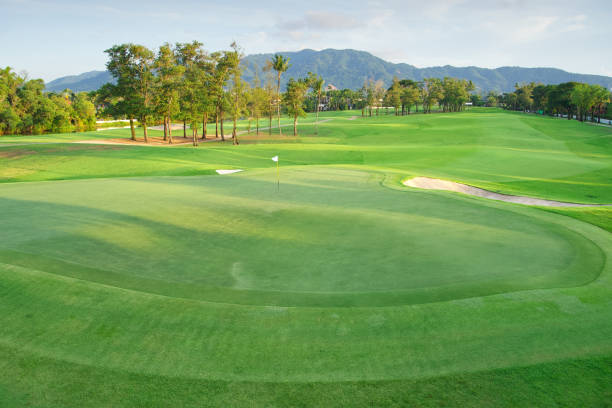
pixel 572 100
pixel 26 109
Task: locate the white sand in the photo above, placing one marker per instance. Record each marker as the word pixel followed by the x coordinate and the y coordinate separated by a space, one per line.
pixel 227 171
pixel 437 184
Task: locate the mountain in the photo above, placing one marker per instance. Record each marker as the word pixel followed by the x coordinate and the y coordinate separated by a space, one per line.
pixel 349 69
pixel 89 81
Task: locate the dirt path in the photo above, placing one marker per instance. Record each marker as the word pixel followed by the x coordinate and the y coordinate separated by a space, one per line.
pixel 437 184
pixel 154 140
pixel 178 140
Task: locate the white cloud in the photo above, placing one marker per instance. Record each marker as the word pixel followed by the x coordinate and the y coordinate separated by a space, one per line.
pixel 533 28
pixel 321 20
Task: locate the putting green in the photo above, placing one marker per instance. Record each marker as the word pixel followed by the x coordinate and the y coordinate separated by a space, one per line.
pixel 330 237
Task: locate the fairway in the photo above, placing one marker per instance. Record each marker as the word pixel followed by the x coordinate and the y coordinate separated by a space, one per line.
pixel 141 269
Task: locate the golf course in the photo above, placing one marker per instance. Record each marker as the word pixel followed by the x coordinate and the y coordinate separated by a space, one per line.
pixel 135 275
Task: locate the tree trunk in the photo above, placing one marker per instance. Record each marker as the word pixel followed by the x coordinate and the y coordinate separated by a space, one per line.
pixel 295 126
pixel 270 127
pixel 317 119
pixel 235 134
pixel 217 123
pixel 221 119
pixel 144 129
pixel 132 129
pixel 204 123
pixel 170 131
pixel 280 132
pixel 194 135
pixel 165 128
pixel 184 129
pixel 257 125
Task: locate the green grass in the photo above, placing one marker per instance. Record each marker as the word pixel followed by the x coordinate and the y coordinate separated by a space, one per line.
pixel 512 153
pixel 133 276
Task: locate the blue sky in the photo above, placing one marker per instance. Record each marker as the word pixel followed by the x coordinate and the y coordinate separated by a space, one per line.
pixel 49 39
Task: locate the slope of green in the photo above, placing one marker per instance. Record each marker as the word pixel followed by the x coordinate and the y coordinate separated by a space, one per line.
pixel 400 247
pixel 125 283
pixel 44 382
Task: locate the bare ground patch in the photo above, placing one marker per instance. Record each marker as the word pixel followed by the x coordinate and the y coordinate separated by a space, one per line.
pixel 437 184
pixel 16 154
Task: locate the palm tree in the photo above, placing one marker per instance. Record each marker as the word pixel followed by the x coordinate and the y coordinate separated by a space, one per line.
pixel 280 64
pixel 316 84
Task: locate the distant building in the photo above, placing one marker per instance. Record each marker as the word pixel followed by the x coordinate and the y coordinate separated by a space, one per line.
pixel 330 87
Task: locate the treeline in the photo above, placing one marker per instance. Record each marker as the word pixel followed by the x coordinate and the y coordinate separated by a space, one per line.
pixel 448 94
pixel 26 109
pixel 184 82
pixel 569 99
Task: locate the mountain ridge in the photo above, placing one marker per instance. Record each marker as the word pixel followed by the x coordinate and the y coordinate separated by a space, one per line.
pixel 349 68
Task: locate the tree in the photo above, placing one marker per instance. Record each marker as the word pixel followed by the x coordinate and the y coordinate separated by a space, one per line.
pixel 492 98
pixel 280 64
pixel 167 97
pixel 540 97
pixel 84 112
pixel 145 83
pixel 237 99
pixel 601 98
pixel 395 95
pixel 316 83
pixel 10 119
pixel 294 99
pixel 221 71
pixel 560 101
pixel 132 67
pixel 257 100
pixel 431 93
pixel 193 88
pixel 379 94
pixel 410 96
pixel 583 97
pixel 270 93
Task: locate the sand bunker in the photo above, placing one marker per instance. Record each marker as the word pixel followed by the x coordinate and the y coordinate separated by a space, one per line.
pixel 227 171
pixel 437 184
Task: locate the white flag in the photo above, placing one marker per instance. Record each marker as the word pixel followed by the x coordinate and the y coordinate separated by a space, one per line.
pixel 275 158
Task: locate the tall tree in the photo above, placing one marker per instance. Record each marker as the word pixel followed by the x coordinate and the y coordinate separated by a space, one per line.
pixel 316 83
pixel 145 84
pixel 237 94
pixel 222 69
pixel 395 95
pixel 191 57
pixel 170 74
pixel 410 96
pixel 294 100
pixel 121 66
pixel 280 64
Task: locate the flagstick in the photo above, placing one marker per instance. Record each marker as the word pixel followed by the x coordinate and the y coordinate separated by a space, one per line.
pixel 277 177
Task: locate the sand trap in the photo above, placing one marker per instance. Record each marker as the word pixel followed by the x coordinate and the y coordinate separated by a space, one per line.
pixel 437 184
pixel 227 171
